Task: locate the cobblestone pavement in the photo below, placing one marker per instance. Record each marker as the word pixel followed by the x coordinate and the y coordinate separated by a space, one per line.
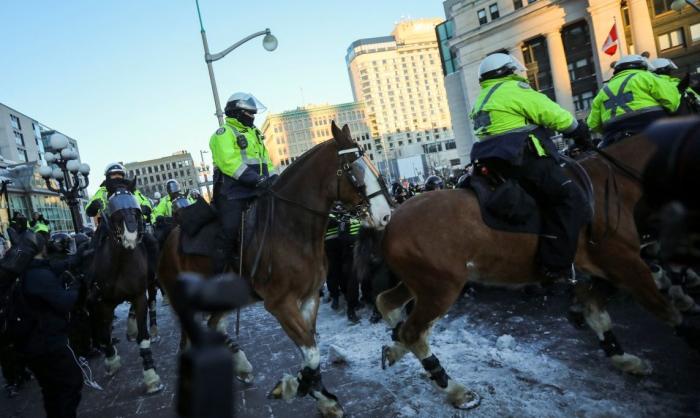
pixel 495 312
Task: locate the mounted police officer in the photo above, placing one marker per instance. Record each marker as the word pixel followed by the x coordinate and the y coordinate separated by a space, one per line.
pixel 241 165
pixel 664 67
pixel 39 223
pixel 513 123
pixel 631 100
pixel 165 205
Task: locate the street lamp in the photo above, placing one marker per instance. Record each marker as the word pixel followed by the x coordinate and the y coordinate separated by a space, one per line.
pixel 269 43
pixel 678 5
pixel 68 173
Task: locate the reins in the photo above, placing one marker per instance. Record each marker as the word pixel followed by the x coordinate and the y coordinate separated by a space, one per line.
pixel 620 166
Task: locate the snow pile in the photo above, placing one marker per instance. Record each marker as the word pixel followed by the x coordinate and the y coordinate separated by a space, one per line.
pixel 505 342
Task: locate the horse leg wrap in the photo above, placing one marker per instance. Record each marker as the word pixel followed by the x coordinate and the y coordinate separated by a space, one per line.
pixel 309 379
pixel 610 345
pixel 147 358
pixel 395 332
pixel 437 373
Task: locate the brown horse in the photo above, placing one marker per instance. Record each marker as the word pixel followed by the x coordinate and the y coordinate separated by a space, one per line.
pixel 285 259
pixel 437 242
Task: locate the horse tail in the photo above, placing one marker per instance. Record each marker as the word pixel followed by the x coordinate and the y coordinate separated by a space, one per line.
pixel 368 253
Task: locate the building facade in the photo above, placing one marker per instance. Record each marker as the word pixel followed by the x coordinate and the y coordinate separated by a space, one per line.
pixel 399 79
pixel 151 175
pixel 560 42
pixel 23 141
pixel 290 134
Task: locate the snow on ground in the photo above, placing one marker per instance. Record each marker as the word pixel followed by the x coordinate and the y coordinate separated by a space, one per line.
pixel 514 378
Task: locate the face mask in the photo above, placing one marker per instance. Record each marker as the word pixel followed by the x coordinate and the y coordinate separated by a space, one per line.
pixel 246 118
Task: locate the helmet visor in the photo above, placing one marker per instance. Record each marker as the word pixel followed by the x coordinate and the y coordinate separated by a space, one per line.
pixel 247 101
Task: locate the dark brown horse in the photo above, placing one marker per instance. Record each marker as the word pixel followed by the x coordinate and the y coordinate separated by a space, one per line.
pixel 120 271
pixel 437 242
pixel 285 259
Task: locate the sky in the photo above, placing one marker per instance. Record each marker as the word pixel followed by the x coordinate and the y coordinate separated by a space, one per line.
pixel 127 78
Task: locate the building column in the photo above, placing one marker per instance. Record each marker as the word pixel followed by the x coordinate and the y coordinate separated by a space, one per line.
pixel 642 33
pixel 560 71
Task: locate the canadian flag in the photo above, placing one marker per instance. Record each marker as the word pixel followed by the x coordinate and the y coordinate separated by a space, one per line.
pixel 611 43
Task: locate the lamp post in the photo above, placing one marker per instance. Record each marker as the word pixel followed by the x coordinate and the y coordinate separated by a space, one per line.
pixel 678 5
pixel 68 174
pixel 269 43
pixel 204 168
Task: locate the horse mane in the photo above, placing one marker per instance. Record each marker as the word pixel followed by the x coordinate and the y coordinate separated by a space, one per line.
pixel 299 162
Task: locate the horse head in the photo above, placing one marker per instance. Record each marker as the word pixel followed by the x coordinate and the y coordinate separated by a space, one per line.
pixel 359 181
pixel 124 218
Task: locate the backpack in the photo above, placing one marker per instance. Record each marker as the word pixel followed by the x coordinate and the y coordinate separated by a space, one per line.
pixel 17 319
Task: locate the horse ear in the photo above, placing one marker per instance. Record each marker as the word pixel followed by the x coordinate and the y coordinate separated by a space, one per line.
pixel 337 134
pixel 346 133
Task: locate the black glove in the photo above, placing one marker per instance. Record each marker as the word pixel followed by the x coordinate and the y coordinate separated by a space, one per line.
pixel 146 210
pixel 93 208
pixel 263 183
pixel 581 135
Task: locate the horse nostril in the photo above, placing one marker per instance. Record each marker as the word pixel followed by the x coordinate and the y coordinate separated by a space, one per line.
pixel 385 219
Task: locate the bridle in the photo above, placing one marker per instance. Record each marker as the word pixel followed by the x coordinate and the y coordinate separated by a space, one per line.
pixel 107 218
pixel 348 170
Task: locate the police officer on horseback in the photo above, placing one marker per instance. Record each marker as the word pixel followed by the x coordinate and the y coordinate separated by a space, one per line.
pixel 165 205
pixel 632 99
pixel 664 68
pixel 513 123
pixel 241 165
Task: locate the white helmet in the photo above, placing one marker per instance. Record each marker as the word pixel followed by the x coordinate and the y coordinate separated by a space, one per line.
pixel 156 195
pixel 497 65
pixel 663 65
pixel 629 62
pixel 115 168
pixel 245 101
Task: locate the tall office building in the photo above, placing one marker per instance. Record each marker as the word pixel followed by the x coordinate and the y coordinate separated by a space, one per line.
pixel 22 144
pixel 560 42
pixel 399 79
pixel 151 175
pixel 289 134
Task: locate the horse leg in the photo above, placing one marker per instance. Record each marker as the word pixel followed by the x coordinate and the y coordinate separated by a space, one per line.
pixel 150 377
pixel 296 320
pixel 112 360
pixel 414 333
pixel 131 326
pixel 241 366
pixel 634 276
pixel 152 320
pixel 390 303
pixel 594 297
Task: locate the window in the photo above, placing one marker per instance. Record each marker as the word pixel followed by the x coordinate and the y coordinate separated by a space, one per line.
pixel 517 4
pixel 539 70
pixel 162 167
pixel 22 154
pixel 662 6
pixel 19 138
pixel 583 101
pixel 493 9
pixel 15 122
pixel 671 39
pixel 481 14
pixel 150 171
pixel 695 32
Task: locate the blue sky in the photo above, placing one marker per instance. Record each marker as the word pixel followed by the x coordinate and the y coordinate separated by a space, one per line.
pixel 128 80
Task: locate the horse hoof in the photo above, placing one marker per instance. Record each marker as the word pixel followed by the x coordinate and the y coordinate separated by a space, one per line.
pixel 129 338
pixel 155 338
pixel 632 364
pixel 245 378
pixel 285 389
pixel 152 381
pixel 330 408
pixel 460 397
pixel 242 367
pixel 113 364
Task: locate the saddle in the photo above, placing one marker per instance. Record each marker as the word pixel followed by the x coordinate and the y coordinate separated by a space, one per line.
pixel 199 225
pixel 506 205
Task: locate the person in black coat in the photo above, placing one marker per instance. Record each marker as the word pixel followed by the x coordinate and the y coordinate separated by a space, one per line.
pixel 46 348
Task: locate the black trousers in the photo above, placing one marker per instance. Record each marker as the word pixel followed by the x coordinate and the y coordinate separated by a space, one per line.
pixel 230 211
pixel 11 364
pixel 61 382
pixel 562 204
pixel 341 276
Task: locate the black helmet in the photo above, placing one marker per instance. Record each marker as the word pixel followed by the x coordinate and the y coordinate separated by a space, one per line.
pixel 81 239
pixel 60 242
pixel 172 187
pixel 434 183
